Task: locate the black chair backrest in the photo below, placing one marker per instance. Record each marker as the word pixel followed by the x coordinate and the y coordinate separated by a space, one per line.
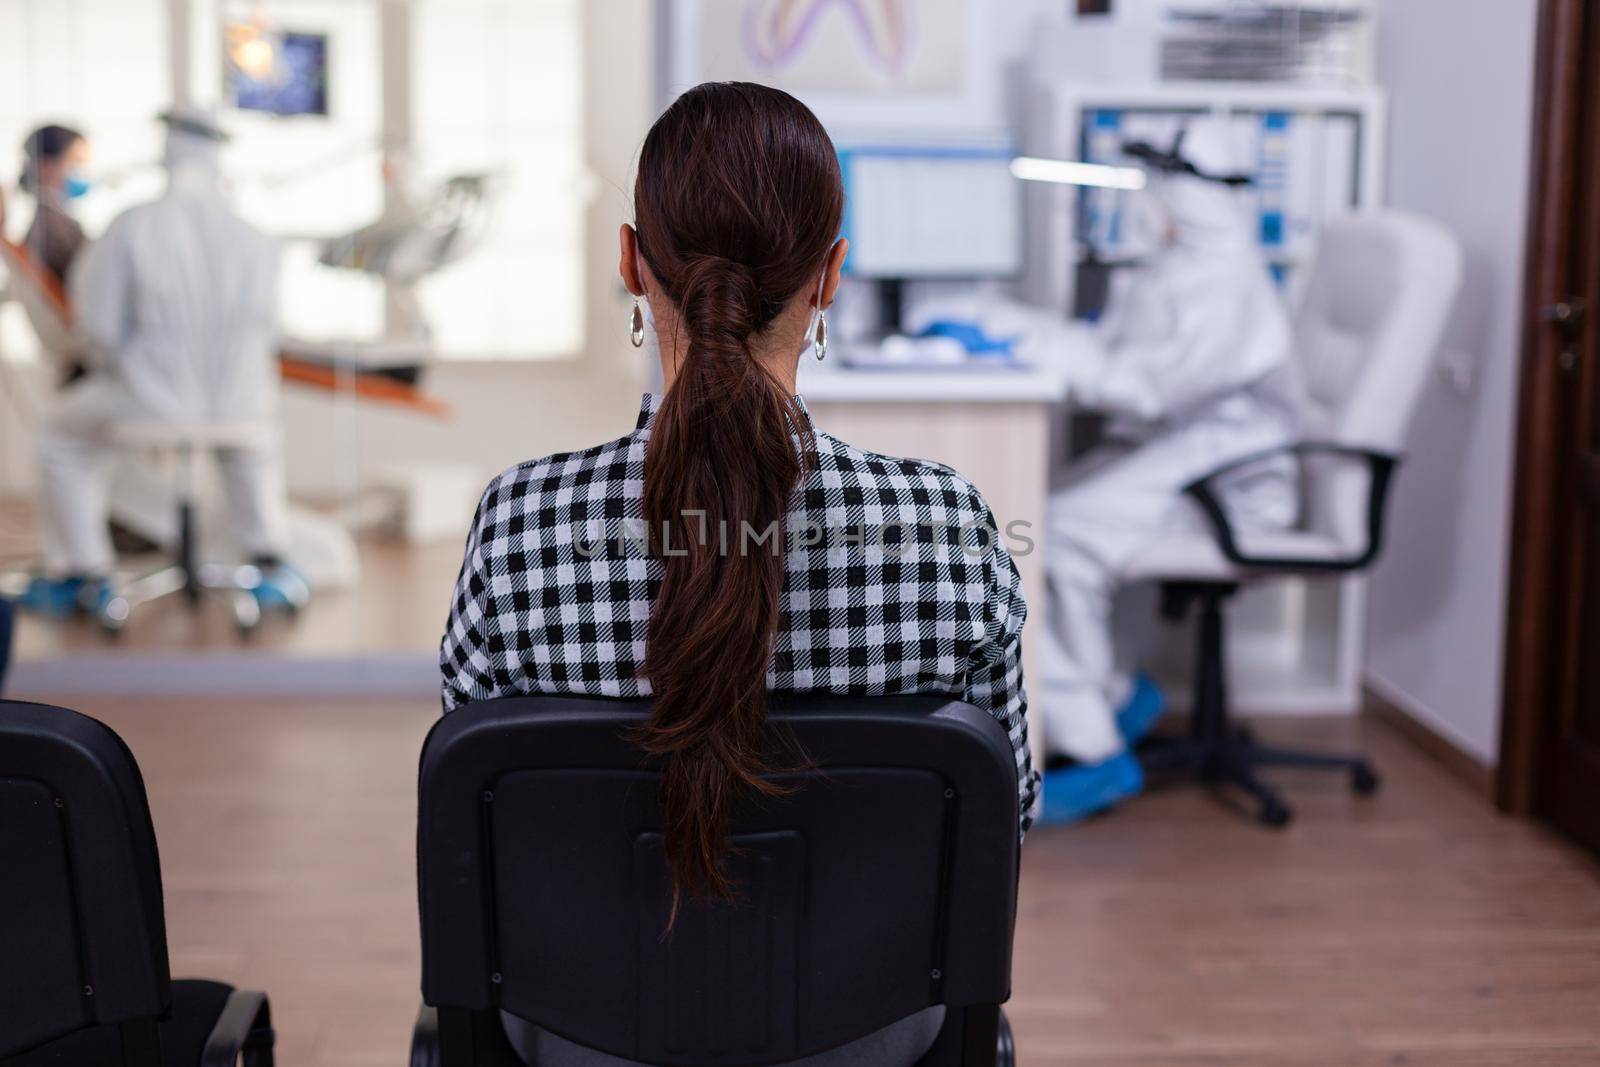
pixel 82 936
pixel 883 884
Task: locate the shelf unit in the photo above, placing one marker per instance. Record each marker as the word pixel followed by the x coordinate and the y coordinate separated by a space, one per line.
pixel 1064 114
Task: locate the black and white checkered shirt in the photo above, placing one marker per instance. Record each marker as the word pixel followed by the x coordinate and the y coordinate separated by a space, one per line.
pixel 894 583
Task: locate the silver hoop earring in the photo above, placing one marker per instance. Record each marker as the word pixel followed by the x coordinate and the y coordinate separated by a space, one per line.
pixel 636 325
pixel 820 345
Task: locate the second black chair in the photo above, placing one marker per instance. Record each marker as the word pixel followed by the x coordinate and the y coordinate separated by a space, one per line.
pixel 83 941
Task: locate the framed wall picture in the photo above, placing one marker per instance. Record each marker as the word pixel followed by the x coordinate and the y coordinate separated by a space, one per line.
pixel 868 68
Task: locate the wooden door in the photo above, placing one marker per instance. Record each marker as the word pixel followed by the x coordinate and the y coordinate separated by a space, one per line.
pixel 1551 744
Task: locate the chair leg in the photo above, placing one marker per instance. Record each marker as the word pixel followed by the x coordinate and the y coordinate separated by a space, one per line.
pixel 1216 751
pixel 243 1032
pixel 1363 779
pixel 1006 1053
pixel 456 1045
pixel 258 1046
pixel 188 550
pixel 425 1038
pixel 141 1043
pixel 1272 811
pixel 980 1037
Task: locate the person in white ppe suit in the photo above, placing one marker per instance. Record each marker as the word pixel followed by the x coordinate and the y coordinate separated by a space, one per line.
pixel 1194 361
pixel 177 303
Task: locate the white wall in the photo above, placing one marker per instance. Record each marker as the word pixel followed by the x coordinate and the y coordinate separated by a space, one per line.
pixel 1460 79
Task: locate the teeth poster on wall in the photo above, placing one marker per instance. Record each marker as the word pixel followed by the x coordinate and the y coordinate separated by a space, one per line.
pixel 887 63
pixel 839 45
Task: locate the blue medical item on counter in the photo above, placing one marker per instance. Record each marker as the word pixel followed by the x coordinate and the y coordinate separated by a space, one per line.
pixel 971 337
pixel 1076 792
pixel 936 351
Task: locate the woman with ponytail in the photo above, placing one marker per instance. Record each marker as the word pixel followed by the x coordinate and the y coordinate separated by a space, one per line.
pixel 727 548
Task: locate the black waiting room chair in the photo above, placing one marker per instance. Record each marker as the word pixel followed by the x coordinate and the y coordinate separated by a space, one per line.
pixel 83 943
pixel 882 884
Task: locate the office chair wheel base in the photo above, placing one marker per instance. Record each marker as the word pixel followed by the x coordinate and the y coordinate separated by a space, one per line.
pixel 1005 1053
pixel 1274 814
pixel 113 618
pixel 1364 780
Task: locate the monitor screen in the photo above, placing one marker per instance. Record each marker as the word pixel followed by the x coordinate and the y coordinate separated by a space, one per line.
pixel 279 72
pixel 931 213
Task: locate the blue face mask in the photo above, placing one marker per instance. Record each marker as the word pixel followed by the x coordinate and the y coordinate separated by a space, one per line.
pixel 75 186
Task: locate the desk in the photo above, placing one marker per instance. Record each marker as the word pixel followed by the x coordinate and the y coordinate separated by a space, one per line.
pixel 1296 645
pixel 992 426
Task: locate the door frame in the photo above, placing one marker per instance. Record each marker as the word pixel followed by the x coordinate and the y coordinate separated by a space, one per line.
pixel 1532 597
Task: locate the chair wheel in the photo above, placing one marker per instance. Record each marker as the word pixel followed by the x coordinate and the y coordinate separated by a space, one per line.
pixel 1274 814
pixel 1364 780
pixel 1005 1053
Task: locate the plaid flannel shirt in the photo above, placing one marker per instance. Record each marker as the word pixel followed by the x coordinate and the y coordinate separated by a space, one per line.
pixel 895 582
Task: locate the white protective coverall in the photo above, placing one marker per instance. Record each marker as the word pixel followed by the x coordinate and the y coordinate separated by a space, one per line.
pixel 177 303
pixel 1194 359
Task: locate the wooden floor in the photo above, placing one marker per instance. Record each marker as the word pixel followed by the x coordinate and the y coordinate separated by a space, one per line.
pixel 398 606
pixel 1416 927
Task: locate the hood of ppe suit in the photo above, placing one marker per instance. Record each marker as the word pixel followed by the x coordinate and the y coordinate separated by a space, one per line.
pixel 191 161
pixel 1204 214
pixel 194 148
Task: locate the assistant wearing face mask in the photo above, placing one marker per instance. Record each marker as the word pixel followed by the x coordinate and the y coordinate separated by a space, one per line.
pixel 76 186
pixel 53 170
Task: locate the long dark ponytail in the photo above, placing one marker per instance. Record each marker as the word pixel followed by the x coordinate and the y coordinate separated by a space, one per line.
pixel 737 205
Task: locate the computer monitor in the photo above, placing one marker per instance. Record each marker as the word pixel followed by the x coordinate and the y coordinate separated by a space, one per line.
pixel 931 213
pixel 279 72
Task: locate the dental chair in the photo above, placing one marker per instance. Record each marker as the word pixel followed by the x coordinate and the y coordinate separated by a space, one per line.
pixel 83 943
pixel 1373 314
pixel 883 884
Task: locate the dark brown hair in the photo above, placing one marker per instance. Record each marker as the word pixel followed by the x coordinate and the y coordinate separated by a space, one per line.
pixel 738 203
pixel 44 145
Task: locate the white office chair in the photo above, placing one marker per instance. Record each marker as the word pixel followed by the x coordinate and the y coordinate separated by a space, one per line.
pixel 180 447
pixel 1374 312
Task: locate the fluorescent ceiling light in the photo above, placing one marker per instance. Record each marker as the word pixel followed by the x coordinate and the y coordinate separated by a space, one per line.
pixel 1065 172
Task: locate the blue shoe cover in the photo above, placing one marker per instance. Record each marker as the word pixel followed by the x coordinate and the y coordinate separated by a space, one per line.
pixel 1139 713
pixel 281 589
pixel 1077 792
pixel 60 597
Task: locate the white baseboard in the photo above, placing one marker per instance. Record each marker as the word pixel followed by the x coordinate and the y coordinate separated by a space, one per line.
pixel 229 674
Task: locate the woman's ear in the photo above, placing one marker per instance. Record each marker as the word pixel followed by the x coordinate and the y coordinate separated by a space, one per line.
pixel 830 272
pixel 628 267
